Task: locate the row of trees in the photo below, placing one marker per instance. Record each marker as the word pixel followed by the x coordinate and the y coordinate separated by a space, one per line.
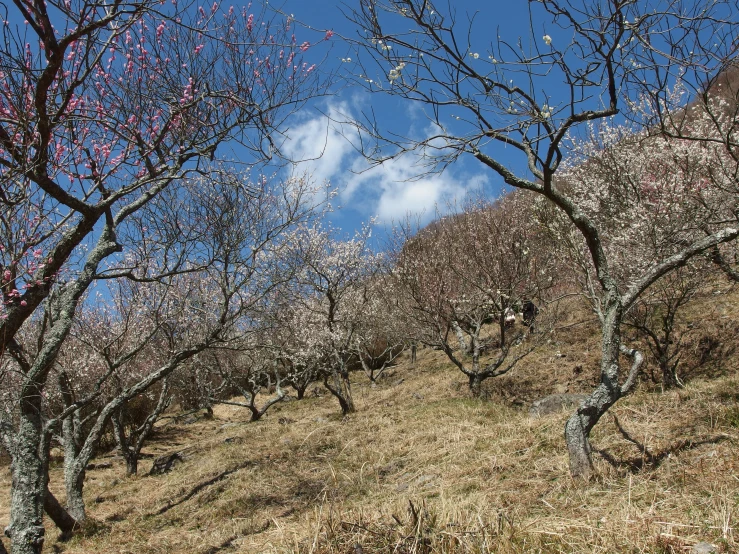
pixel 291 304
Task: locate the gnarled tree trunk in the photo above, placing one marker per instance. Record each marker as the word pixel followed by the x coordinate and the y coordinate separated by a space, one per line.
pixel 606 394
pixel 74 477
pixel 341 389
pixel 30 477
pixel 578 427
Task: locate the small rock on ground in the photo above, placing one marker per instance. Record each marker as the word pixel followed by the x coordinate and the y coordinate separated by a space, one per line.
pixel 554 403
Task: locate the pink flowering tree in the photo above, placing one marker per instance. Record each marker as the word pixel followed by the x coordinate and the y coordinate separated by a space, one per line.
pixel 581 62
pixel 102 108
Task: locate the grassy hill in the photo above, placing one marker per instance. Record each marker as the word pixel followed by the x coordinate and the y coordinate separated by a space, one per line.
pixel 422 467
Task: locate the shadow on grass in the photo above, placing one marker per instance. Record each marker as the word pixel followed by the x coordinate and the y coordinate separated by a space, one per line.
pixel 649 459
pixel 200 486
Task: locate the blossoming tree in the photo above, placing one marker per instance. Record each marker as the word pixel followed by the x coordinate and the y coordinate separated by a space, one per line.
pixel 469 270
pixel 330 295
pixel 166 313
pixel 650 195
pixel 103 106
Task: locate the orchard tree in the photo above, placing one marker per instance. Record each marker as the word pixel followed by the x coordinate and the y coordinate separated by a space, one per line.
pixel 469 270
pixel 330 296
pixel 380 337
pixel 658 319
pixel 582 62
pixel 90 368
pixel 298 356
pixel 651 196
pixel 247 370
pixel 157 323
pixel 206 255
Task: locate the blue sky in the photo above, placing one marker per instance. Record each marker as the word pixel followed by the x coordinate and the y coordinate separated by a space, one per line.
pixel 393 189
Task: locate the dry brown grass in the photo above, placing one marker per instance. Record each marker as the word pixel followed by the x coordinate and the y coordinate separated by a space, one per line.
pixel 422 467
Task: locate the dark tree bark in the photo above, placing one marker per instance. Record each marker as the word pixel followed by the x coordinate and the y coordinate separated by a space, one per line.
pixel 475 382
pixel 338 384
pixel 130 444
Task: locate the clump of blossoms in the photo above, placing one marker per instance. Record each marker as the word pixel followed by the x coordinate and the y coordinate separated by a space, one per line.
pixel 395 72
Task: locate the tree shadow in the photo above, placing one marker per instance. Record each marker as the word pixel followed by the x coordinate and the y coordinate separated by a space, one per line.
pixel 201 486
pixel 650 460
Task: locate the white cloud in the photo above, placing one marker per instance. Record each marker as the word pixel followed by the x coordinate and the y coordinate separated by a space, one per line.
pixel 416 197
pixel 390 190
pixel 317 146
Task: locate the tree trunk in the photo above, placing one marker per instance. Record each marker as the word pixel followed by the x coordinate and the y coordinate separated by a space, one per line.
pixel 74 475
pixel 131 456
pixel 578 427
pixel 670 380
pixel 132 465
pixel 475 385
pixel 123 441
pixel 345 398
pixel 463 345
pixel 347 405
pixel 256 414
pixel 74 483
pixel 341 389
pixel 29 474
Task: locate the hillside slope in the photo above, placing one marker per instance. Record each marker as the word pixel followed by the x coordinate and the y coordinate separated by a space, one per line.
pixel 422 467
